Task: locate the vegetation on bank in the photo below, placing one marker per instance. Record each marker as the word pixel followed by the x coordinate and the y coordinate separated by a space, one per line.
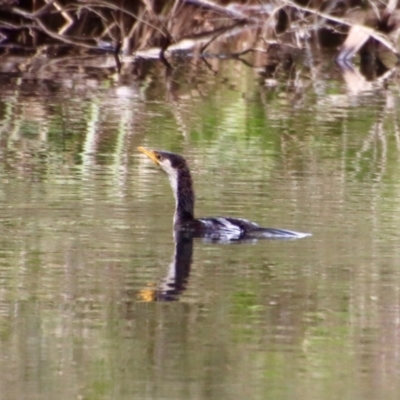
pixel 151 28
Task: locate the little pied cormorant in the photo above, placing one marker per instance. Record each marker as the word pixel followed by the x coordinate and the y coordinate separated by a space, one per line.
pixel 216 228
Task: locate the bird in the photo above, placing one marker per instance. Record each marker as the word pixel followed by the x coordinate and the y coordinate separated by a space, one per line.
pixel 222 229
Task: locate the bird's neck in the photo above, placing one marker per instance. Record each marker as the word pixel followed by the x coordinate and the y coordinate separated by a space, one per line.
pixel 182 187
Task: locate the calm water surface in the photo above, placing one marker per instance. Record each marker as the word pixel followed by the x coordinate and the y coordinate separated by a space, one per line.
pixel 87 252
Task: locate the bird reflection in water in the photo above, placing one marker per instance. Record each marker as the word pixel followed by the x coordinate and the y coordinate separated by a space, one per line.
pixel 173 285
pixel 175 282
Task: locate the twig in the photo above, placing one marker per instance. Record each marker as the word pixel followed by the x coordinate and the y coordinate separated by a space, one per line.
pixel 70 20
pixel 210 6
pixel 62 38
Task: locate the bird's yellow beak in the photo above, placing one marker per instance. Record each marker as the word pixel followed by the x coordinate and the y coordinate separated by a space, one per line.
pixel 150 153
pixel 147 295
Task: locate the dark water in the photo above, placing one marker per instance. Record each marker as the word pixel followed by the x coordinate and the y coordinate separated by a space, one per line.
pixel 87 249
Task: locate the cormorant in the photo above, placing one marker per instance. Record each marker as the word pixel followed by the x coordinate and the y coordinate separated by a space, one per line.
pixel 215 228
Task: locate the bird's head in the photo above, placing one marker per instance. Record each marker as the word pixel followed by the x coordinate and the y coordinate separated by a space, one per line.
pixel 171 163
pixel 180 180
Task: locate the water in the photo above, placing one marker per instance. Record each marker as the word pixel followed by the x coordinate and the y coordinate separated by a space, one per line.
pixel 87 245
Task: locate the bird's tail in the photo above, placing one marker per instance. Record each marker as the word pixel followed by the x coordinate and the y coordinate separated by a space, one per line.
pixel 272 233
